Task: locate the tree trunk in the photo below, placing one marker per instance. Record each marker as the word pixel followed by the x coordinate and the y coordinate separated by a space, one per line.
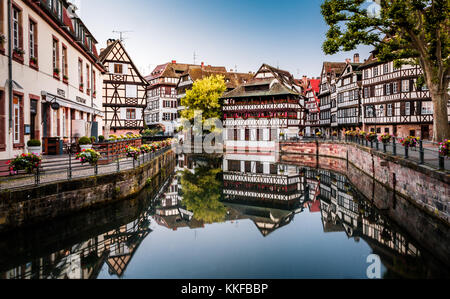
pixel 441 127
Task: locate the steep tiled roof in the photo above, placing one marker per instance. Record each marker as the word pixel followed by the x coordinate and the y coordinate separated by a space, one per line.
pixel 232 80
pixel 334 67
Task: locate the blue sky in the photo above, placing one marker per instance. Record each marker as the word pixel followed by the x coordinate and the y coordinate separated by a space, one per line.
pixel 243 33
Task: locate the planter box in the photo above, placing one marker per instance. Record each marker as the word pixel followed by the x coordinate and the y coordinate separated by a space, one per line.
pixel 86 147
pixel 35 150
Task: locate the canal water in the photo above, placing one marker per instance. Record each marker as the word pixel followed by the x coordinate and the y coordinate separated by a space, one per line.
pixel 225 217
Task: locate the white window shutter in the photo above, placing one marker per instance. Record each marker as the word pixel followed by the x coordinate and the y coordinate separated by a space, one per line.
pixel 125 69
pixel 123 113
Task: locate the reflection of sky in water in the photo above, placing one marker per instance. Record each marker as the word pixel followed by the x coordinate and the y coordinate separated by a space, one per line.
pixel 238 250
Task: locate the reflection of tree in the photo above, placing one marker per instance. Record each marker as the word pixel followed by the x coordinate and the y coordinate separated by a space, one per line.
pixel 202 191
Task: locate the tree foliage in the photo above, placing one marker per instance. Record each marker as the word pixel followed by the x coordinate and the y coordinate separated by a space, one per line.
pixel 202 192
pixel 204 96
pixel 405 31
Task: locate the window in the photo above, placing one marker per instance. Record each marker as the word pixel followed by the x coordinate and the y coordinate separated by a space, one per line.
pixel 80 73
pixel 64 61
pixel 388 89
pixel 131 113
pixel 375 71
pixel 389 110
pixel 94 84
pixel 32 39
pixel 366 74
pixel 386 68
pixel 88 79
pixel 55 57
pixel 366 92
pixel 16 28
pixel 395 88
pixel 131 91
pixel 408 108
pixel 405 86
pixel 118 68
pixel 427 108
pixel 16 119
pixel 380 112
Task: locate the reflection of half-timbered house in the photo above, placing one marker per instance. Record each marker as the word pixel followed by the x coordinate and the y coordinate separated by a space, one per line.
pixel 124 91
pixel 261 111
pixel 268 193
pixel 393 103
pixel 327 94
pixel 348 100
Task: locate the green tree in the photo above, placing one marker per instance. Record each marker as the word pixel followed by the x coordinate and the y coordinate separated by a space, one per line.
pixel 202 192
pixel 405 31
pixel 204 96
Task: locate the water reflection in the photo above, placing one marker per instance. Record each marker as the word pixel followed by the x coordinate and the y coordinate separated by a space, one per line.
pixel 209 190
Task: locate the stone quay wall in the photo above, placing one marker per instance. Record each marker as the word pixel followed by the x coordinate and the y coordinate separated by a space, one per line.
pixel 425 187
pixel 27 206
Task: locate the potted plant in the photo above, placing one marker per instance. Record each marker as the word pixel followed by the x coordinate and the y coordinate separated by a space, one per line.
pixel 371 137
pixel 85 143
pixel 19 52
pixel 88 156
pixel 34 146
pixel 319 134
pixel 81 86
pixel 334 134
pixel 33 61
pixel 65 79
pixel 385 138
pixel 133 152
pixel 2 39
pixel 101 138
pixel 444 148
pixel 409 141
pixel 27 162
pixel 56 72
pixel 93 139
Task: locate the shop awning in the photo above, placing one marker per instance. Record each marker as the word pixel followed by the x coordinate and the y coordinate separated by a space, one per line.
pixel 50 98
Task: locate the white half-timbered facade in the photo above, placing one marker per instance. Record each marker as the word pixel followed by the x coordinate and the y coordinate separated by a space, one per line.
pixel 259 113
pixel 348 99
pixel 124 92
pixel 392 102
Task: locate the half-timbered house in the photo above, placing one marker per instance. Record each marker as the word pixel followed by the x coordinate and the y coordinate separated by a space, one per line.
pixel 259 113
pixel 312 106
pixel 348 99
pixel 327 95
pixel 124 91
pixel 393 103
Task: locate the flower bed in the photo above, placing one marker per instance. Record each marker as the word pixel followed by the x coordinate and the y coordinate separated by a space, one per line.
pixel 133 152
pixel 371 137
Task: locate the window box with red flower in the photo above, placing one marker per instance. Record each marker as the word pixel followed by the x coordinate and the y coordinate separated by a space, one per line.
pixel 81 87
pixel 18 54
pixel 66 79
pixel 33 62
pixel 56 73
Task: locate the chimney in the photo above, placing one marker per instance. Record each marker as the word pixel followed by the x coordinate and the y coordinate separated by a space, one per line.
pixel 110 41
pixel 356 58
pixel 203 64
pixel 174 61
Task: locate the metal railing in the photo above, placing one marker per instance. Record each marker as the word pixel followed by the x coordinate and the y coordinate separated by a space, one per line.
pixel 425 153
pixel 67 167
